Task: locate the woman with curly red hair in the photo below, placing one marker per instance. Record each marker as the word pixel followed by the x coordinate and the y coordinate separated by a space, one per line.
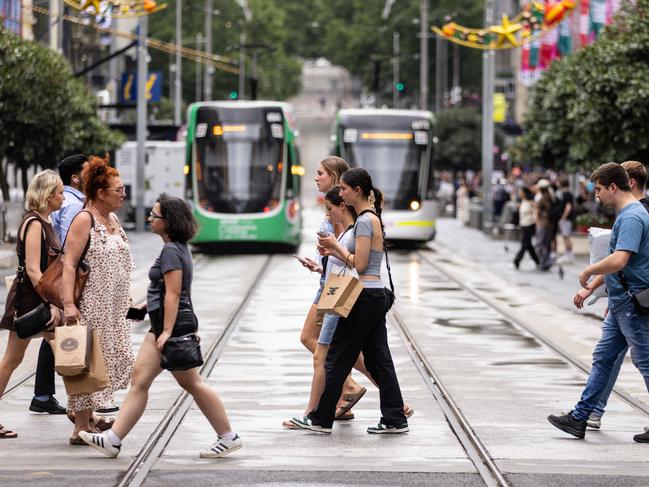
pixel 106 296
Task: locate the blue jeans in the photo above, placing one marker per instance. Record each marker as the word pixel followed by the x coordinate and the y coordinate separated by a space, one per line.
pixel 622 327
pixel 615 371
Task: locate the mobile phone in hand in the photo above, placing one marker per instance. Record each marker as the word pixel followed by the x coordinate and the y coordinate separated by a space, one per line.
pixel 323 234
pixel 136 314
pixel 301 259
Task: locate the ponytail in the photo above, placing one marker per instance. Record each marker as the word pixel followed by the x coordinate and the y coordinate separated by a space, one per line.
pixel 376 199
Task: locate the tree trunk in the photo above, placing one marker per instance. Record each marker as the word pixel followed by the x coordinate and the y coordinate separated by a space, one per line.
pixel 24 168
pixel 3 180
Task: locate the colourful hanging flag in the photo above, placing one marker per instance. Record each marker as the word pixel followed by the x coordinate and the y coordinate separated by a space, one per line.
pixel 584 22
pixel 565 37
pixel 597 17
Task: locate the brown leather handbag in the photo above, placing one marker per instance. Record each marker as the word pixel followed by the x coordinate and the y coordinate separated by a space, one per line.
pixel 50 285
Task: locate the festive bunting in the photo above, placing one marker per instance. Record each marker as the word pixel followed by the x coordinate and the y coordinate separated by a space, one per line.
pixel 117 8
pixel 534 19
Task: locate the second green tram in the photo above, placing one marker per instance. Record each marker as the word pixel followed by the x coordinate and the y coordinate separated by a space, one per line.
pixel 243 173
pixel 395 147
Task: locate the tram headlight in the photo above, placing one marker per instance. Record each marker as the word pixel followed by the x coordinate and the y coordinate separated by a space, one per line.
pixel 414 205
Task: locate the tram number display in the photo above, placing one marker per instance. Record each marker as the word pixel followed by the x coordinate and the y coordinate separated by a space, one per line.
pixel 237 230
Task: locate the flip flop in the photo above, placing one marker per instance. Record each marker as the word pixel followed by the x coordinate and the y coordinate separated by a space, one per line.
pixel 409 412
pixel 351 399
pixel 7 434
pixel 289 425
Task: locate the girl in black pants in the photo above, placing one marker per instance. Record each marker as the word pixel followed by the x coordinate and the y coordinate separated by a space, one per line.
pixel 364 329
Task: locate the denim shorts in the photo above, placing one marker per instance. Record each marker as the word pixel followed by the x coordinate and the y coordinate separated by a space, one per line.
pixel 329 324
pixel 317 295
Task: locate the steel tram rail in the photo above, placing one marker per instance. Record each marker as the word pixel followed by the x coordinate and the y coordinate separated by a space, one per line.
pixel 516 321
pixel 475 450
pixel 138 470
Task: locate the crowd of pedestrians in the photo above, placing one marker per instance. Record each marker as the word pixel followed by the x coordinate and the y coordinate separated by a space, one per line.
pixel 72 213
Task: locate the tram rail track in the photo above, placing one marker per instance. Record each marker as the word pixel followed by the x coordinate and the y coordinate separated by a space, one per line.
pixel 503 310
pixel 137 472
pixel 475 450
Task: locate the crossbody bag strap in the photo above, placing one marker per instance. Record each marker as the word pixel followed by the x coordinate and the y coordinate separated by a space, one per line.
pixel 625 285
pixel 92 225
pixel 385 247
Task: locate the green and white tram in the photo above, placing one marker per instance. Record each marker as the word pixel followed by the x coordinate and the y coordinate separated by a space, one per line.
pixel 243 173
pixel 395 146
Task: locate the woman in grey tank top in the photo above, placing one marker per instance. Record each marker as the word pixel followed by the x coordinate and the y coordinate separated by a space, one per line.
pixel 364 329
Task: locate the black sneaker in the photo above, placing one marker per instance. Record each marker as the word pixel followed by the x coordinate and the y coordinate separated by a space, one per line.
pixel 569 424
pixel 51 406
pixel 642 437
pixel 112 410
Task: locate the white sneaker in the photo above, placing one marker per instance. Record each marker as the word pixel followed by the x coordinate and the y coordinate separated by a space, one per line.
pixel 222 447
pixel 594 421
pixel 100 441
pixel 305 423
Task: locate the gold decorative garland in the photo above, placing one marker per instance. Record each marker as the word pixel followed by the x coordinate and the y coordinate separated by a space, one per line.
pixel 534 19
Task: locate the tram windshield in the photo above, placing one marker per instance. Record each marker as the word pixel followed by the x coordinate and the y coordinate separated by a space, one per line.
pixel 239 159
pixel 392 158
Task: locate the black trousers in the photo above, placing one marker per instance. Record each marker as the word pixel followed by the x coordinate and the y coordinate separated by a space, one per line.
pixel 526 244
pixel 362 331
pixel 44 384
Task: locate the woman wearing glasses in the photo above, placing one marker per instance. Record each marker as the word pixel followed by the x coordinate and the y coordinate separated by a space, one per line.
pixel 106 296
pixel 169 304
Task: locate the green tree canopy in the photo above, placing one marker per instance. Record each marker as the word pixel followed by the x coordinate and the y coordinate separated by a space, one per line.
pixel 592 107
pixel 45 112
pixel 459 134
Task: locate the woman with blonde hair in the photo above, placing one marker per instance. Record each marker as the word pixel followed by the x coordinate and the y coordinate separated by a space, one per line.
pixel 36 240
pixel 328 174
pixel 105 298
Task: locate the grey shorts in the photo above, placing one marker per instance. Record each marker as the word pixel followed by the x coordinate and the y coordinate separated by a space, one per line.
pixel 329 324
pixel 565 227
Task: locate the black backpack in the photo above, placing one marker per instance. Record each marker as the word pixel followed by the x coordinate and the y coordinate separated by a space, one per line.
pixel 556 210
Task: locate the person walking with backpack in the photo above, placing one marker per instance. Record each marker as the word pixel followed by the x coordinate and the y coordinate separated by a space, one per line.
pixel 626 271
pixel 364 329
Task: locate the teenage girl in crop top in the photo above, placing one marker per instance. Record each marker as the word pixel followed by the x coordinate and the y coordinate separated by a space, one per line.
pixel 364 329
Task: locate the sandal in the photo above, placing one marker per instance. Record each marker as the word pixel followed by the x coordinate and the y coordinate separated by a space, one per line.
pixel 7 434
pixel 408 412
pixel 77 441
pixel 351 400
pixel 102 424
pixel 340 416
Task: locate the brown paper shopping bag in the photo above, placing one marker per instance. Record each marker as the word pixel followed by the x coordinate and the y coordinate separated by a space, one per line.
pixel 72 349
pixel 339 294
pixel 95 379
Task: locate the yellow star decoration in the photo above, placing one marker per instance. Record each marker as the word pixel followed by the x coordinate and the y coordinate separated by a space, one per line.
pixel 506 32
pixel 93 3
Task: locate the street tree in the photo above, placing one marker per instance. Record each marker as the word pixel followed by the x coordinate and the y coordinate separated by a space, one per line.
pixel 458 131
pixel 593 106
pixel 45 112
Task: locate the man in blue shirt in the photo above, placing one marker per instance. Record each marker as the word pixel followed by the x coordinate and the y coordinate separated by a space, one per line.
pixel 70 171
pixel 623 325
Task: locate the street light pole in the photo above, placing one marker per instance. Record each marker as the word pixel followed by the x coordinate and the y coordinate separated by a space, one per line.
pixel 141 122
pixel 395 69
pixel 423 54
pixel 242 66
pixel 209 70
pixel 199 42
pixel 178 87
pixel 488 61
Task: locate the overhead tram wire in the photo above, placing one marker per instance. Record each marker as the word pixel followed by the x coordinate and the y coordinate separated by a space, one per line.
pixel 221 63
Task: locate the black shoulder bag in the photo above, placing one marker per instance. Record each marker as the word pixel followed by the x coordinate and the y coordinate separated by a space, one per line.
pixel 640 299
pixel 181 352
pixel 390 292
pixel 34 321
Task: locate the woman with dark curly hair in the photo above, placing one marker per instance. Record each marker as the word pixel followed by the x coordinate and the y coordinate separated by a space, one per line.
pixel 105 298
pixel 171 313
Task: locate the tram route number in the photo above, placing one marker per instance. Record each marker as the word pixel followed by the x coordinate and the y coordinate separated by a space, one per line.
pixel 237 230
